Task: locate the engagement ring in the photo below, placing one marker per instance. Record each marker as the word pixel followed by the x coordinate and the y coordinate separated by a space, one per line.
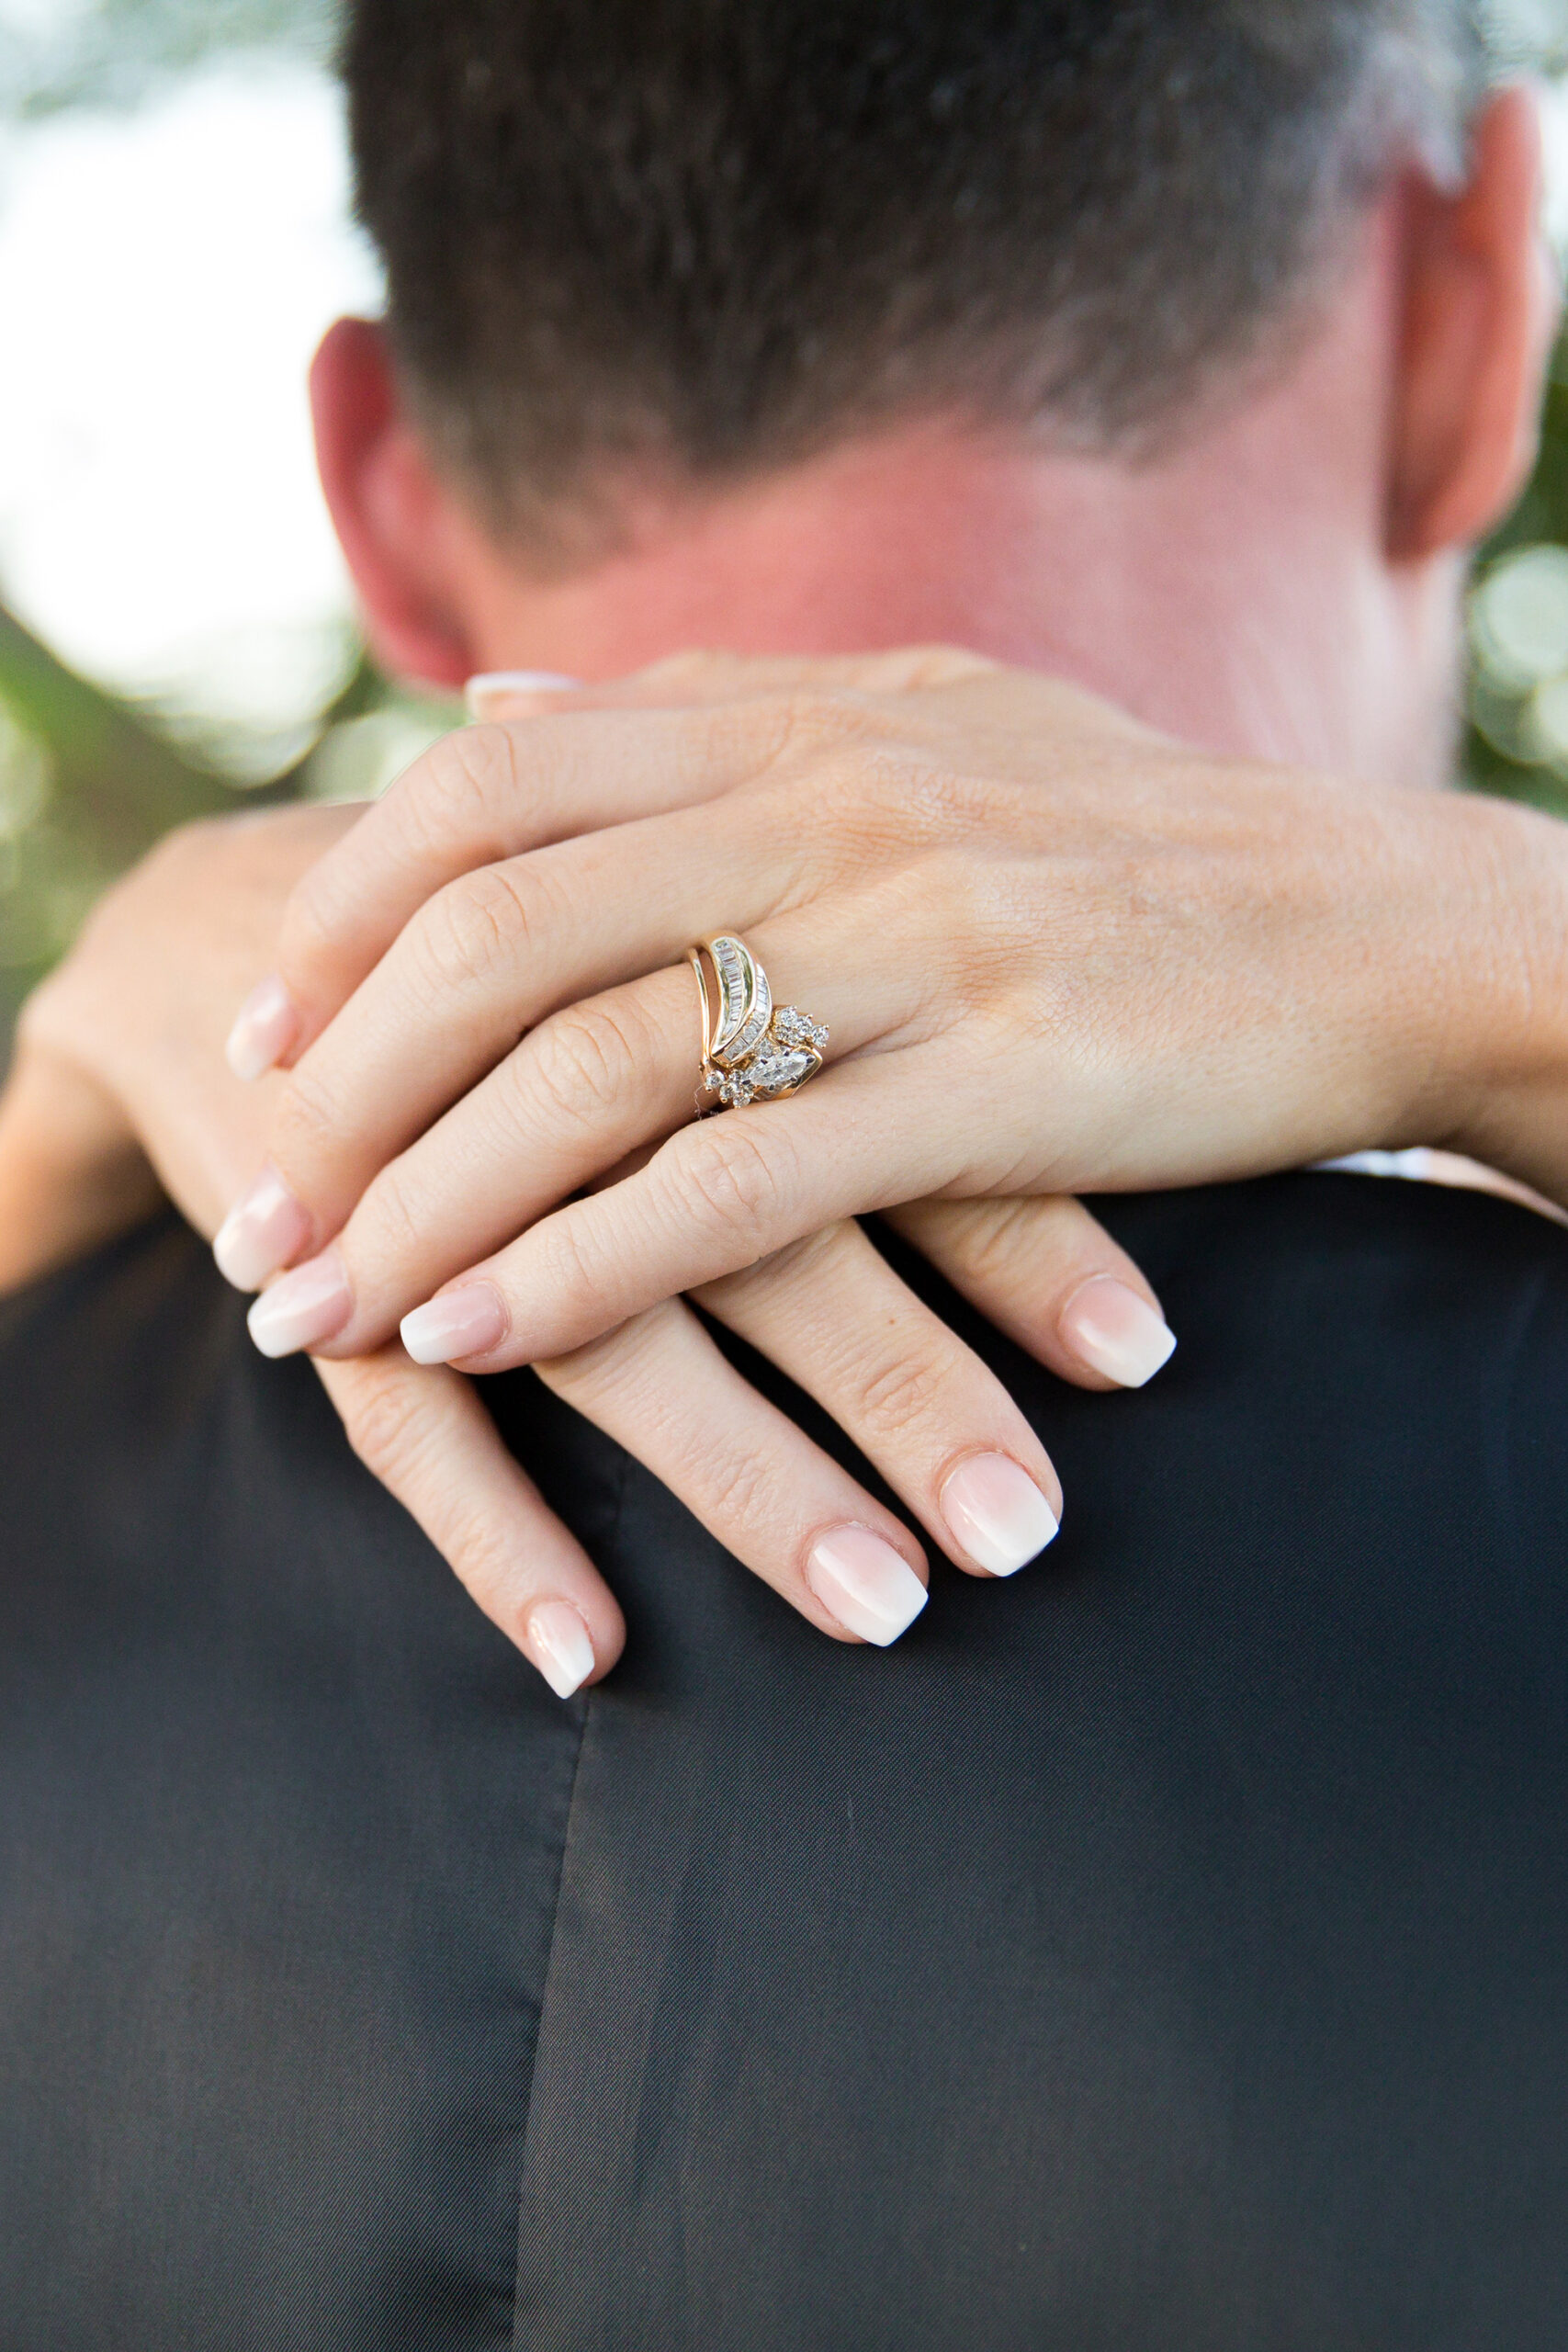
pixel 750 1054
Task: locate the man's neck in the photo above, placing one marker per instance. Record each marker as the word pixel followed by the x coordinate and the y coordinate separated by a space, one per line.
pixel 1232 592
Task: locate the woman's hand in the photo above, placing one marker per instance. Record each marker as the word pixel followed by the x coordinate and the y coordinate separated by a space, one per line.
pixel 119 1090
pixel 1054 953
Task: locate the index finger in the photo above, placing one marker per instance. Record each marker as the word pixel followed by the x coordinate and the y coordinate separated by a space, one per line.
pixel 476 798
pixel 551 763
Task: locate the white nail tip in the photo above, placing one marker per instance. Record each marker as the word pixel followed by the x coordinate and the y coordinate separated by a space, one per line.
pixel 997 1516
pixel 302 1309
pixel 559 1645
pixel 866 1584
pixel 1117 1333
pixel 263 1031
pixel 459 1323
pixel 263 1231
pixel 482 692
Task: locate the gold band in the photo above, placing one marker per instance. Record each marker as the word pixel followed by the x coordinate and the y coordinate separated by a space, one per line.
pixel 751 1052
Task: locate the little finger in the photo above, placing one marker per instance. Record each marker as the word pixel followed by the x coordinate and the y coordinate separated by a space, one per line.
pixel 429 1439
pixel 1048 1274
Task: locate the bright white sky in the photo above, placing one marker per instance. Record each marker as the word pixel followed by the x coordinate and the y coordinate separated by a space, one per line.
pixel 164 274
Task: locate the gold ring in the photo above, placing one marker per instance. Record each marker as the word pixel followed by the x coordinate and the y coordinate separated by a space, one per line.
pixel 750 1054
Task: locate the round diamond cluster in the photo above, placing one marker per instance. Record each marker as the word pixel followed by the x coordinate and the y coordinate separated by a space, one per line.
pixel 791 1027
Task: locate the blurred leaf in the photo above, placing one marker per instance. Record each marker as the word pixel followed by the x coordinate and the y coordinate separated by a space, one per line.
pixel 111 53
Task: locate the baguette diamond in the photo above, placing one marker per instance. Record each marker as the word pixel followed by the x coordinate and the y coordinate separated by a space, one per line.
pixel 751 1052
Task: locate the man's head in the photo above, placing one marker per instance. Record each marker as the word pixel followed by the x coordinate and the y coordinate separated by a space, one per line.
pixel 807 327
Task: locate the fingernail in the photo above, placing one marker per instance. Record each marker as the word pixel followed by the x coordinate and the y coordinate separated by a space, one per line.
pixel 559 1645
pixel 264 1027
pixel 493 692
pixel 866 1584
pixel 997 1513
pixel 466 1322
pixel 303 1308
pixel 1116 1332
pixel 264 1228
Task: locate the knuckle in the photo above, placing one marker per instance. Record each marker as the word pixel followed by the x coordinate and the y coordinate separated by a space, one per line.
pixel 879 806
pixel 307 1122
pixel 388 1417
pixel 905 1386
pixel 389 1224
pixel 731 1183
pixel 749 1485
pixel 807 1265
pixel 583 1060
pixel 790 737
pixel 481 1550
pixel 318 906
pixel 462 789
pixel 578 1280
pixel 996 1241
pixel 479 927
pixel 622 1367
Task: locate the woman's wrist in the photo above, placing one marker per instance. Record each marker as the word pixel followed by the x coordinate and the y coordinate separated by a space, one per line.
pixel 71 1171
pixel 1495 970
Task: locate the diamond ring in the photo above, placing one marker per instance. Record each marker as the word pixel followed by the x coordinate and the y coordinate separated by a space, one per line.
pixel 751 1052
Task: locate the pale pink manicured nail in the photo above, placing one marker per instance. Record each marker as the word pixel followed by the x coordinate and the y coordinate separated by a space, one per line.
pixel 264 1027
pixel 996 1514
pixel 303 1308
pixel 465 1322
pixel 264 1228
pixel 559 1645
pixel 866 1584
pixel 1116 1332
pixel 495 693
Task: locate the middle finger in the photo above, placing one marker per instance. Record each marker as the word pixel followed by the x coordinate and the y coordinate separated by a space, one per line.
pixel 591 1086
pixel 481 963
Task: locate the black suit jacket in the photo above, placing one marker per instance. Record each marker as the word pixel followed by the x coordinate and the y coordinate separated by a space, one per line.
pixel 1166 1951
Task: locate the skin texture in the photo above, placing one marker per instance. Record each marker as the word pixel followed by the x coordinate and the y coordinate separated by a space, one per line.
pixel 1209 968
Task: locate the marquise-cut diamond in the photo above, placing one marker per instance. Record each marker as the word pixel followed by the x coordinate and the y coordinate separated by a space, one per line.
pixel 772 1073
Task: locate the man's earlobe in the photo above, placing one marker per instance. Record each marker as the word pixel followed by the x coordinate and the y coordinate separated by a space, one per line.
pixel 1479 307
pixel 391 513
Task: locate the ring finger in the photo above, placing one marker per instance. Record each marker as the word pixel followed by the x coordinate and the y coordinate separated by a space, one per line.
pixel 929 1417
pixel 594 1084
pixel 938 1424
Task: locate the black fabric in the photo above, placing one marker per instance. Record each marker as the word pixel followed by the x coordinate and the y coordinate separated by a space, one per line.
pixel 1166 1951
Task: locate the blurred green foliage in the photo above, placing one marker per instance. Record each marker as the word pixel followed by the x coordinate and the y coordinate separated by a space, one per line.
pixel 1516 740
pixel 87 784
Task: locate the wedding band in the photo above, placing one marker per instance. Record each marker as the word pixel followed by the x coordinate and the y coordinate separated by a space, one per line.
pixel 751 1052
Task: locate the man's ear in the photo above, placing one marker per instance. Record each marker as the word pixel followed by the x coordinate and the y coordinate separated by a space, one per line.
pixel 391 511
pixel 1480 312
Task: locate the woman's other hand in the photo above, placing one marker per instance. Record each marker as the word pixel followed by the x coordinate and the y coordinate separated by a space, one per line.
pixel 119 1095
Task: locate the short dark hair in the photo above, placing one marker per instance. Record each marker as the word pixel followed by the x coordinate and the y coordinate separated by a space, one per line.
pixel 719 235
